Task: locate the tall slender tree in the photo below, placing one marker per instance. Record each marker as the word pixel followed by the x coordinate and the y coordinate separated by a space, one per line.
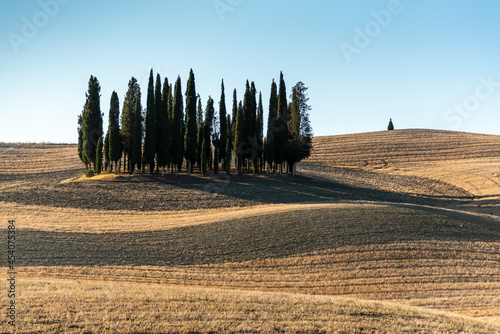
pixel 223 126
pixel 260 132
pixel 127 122
pixel 239 138
pixel 282 131
pixel 98 156
pixel 177 125
pixel 136 149
pixel 150 138
pixel 92 120
pixel 106 151
pixel 190 140
pixel 208 128
pixel 164 143
pixel 115 141
pixel 158 105
pixel 270 145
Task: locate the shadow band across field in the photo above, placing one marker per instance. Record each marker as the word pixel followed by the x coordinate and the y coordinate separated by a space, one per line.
pixel 155 193
pixel 268 236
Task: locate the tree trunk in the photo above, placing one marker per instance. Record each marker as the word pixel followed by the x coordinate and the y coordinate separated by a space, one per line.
pixel 162 170
pixel 176 169
pixel 189 168
pixel 281 168
pixel 135 166
pixel 294 168
pixel 267 169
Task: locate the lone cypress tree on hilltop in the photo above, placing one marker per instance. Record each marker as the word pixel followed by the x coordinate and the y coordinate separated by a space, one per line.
pixel 390 126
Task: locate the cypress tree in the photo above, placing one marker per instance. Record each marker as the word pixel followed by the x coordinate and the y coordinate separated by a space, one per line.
pixel 223 126
pixel 190 140
pixel 390 127
pixel 170 102
pixel 260 132
pixel 177 125
pixel 270 148
pixel 228 155
pixel 164 147
pixel 106 151
pixel 216 158
pixel 253 122
pixel 136 149
pixel 127 122
pixel 234 114
pixel 150 138
pixel 98 156
pixel 199 119
pixel 80 140
pixel 282 131
pixel 115 141
pixel 203 166
pixel 92 120
pixel 208 129
pixel 158 105
pixel 239 141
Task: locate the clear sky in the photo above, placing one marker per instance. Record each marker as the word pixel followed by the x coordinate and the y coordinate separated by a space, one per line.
pixel 423 63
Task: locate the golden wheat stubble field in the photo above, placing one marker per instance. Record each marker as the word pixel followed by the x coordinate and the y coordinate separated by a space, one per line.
pixel 347 247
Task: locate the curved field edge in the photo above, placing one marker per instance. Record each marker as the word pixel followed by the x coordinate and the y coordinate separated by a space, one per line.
pixel 76 307
pixel 46 218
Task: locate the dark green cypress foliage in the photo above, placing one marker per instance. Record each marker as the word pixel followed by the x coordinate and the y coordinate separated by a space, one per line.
pixel 282 131
pixel 150 138
pixel 106 151
pixel 80 139
pixel 253 132
pixel 92 120
pixel 177 124
pixel 270 148
pixel 199 120
pixel 127 122
pixel 115 141
pixel 203 166
pixel 223 124
pixel 248 124
pixel 164 143
pixel 216 157
pixel 260 132
pixel 208 129
pixel 239 137
pixel 170 108
pixel 98 156
pixel 136 149
pixel 390 127
pixel 158 104
pixel 228 156
pixel 190 140
pixel 234 113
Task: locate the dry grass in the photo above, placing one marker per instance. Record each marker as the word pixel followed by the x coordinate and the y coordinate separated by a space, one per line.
pixel 123 255
pixel 110 307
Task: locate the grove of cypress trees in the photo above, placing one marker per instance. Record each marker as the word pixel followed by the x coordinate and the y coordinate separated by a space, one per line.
pixel 177 125
pixel 115 142
pixel 163 135
pixel 150 138
pixel 190 140
pixel 223 126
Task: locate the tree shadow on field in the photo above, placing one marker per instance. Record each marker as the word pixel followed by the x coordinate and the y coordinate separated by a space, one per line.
pixel 268 236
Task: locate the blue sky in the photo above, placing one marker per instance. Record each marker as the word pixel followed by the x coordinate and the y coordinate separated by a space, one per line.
pixel 425 64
